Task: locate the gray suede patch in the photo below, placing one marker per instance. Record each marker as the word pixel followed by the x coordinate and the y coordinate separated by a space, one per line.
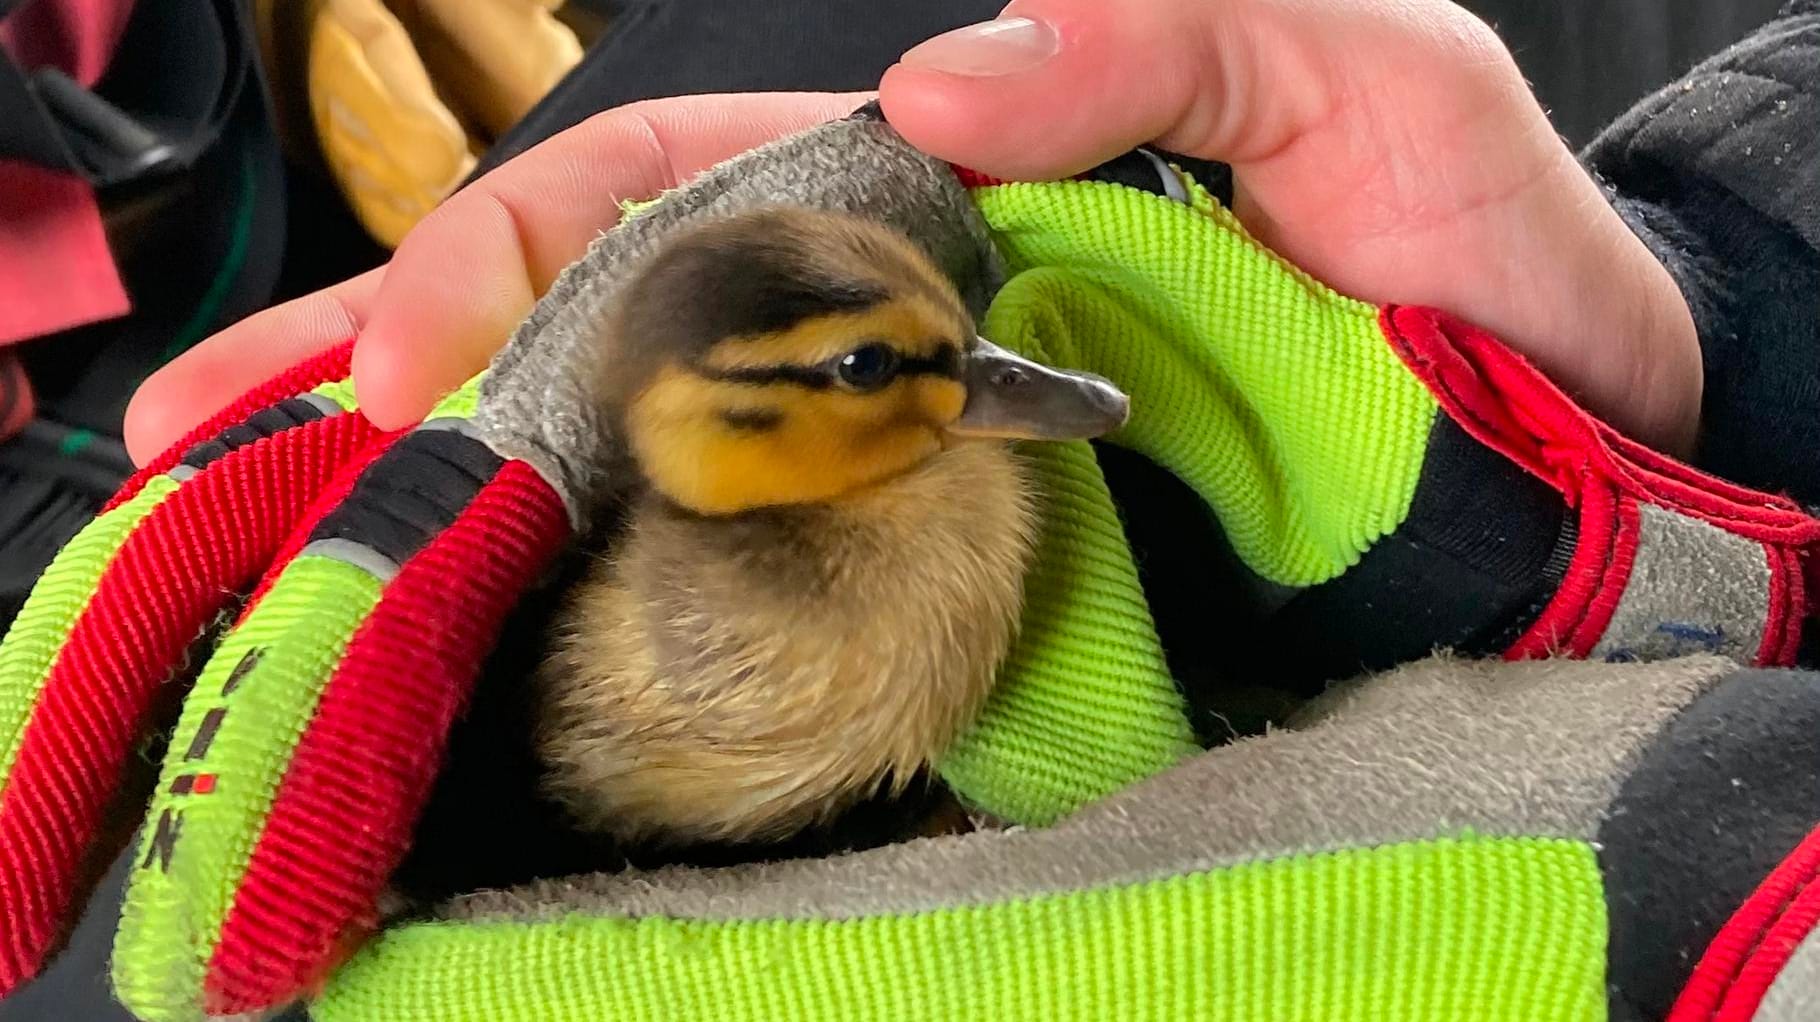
pixel 1794 996
pixel 1694 588
pixel 535 402
pixel 1533 749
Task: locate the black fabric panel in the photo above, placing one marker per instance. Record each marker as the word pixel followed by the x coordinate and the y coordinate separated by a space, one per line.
pixel 411 492
pixel 1743 119
pixel 261 424
pixel 1588 59
pixel 175 248
pixel 196 251
pixel 1135 170
pixel 1719 174
pixel 1752 287
pixel 1728 789
pixel 1483 549
pixel 1206 604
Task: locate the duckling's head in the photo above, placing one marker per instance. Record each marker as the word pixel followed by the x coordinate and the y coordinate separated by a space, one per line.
pixel 789 356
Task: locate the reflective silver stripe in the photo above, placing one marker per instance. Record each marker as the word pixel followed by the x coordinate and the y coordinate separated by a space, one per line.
pixel 1172 183
pixel 326 406
pixel 455 424
pixel 359 555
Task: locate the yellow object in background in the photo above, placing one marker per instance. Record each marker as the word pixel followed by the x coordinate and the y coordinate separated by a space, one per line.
pixel 397 96
pixel 494 58
pixel 391 143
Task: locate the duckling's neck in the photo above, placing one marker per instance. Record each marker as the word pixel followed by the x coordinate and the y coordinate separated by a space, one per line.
pixel 843 548
pixel 741 676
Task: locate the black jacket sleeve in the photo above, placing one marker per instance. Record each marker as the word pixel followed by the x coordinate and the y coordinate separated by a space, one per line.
pixel 1719 173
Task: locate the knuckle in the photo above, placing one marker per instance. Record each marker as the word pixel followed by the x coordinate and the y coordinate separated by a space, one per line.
pixel 1466 40
pixel 634 137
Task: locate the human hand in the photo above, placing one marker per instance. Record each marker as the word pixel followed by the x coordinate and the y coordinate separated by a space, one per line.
pixel 1391 150
pixel 465 276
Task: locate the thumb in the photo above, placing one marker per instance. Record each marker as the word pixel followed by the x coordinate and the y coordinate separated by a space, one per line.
pixel 1053 87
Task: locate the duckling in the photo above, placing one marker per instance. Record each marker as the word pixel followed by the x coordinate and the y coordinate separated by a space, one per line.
pixel 820 568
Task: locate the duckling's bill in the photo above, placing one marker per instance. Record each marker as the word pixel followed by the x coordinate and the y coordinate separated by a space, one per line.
pixel 1010 397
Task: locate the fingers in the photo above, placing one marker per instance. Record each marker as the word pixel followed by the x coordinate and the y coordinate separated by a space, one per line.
pixel 465 277
pixel 208 377
pixel 470 272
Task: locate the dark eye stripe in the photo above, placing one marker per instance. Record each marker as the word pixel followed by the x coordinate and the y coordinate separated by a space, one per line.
pixel 945 362
pixel 812 377
pixel 752 420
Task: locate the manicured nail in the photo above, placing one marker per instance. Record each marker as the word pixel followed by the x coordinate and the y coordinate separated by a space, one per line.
pixel 1000 47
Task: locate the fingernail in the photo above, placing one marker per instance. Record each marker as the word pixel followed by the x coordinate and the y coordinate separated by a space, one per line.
pixel 1000 47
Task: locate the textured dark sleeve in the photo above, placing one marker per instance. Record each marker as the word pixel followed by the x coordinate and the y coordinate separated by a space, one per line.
pixel 1719 173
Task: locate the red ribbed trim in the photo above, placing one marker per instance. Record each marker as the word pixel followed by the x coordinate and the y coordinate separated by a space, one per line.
pixel 975 179
pixel 1788 608
pixel 202 544
pixel 331 496
pixel 1778 946
pixel 357 782
pixel 1582 607
pixel 1752 947
pixel 307 375
pixel 970 178
pixel 1506 403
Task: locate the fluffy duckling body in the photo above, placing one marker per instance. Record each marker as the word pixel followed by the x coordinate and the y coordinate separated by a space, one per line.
pixel 822 566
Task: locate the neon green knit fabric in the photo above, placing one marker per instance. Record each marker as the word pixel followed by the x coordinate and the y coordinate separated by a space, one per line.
pixel 631 209
pixel 339 391
pixel 1275 398
pixel 1493 930
pixel 29 650
pixel 1085 704
pixel 460 402
pixel 249 715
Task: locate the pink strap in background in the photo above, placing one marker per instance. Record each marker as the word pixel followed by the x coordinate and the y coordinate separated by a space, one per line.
pixel 55 268
pixel 77 36
pixel 15 395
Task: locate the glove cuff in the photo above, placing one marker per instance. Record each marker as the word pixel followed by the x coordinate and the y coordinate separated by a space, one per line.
pixel 1663 556
pixel 1537 530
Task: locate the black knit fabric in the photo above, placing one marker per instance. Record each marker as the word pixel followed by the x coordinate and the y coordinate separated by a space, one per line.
pixel 1720 174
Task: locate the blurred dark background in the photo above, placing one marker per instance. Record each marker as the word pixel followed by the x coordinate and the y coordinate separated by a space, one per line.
pixel 1587 59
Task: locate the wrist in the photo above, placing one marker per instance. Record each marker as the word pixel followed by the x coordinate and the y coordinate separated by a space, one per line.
pixel 1584 299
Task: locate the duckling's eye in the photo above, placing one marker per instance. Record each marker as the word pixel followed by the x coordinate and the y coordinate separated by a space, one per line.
pixel 869 366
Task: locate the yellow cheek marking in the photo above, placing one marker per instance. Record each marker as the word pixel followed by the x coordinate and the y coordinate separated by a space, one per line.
pixel 829 443
pixel 912 324
pixel 941 400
